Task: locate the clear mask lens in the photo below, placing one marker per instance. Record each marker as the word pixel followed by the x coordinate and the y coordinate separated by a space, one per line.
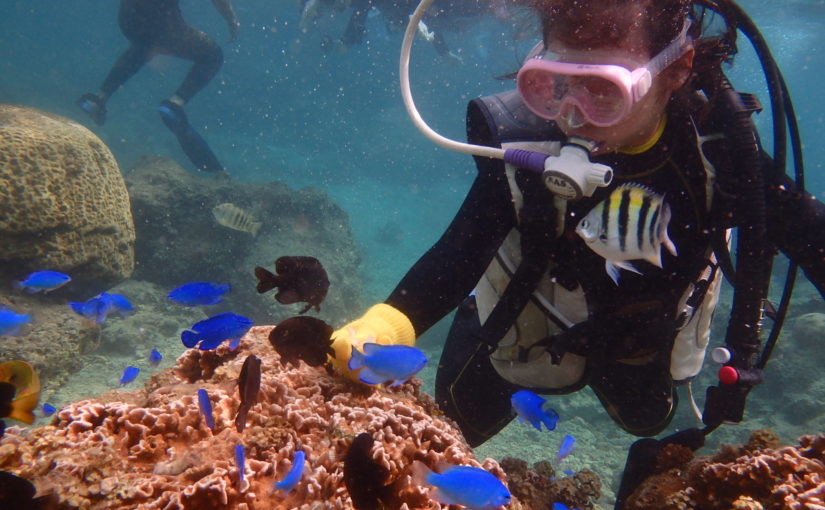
pixel 572 116
pixel 599 100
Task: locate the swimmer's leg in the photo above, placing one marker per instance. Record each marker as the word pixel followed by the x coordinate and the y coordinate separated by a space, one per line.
pixel 126 66
pixel 191 44
pixel 207 57
pixel 193 144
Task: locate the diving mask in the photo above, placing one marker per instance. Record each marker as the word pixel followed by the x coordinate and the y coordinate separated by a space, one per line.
pixel 602 93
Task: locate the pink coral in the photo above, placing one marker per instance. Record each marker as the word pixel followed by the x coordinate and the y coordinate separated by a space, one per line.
pixel 150 448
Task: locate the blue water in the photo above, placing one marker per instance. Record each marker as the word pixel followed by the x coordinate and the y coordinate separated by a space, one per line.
pixel 281 108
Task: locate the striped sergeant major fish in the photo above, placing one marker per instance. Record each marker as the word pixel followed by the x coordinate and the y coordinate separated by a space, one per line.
pixel 630 224
pixel 232 216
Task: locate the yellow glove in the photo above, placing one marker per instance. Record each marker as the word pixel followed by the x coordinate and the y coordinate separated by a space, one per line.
pixel 382 324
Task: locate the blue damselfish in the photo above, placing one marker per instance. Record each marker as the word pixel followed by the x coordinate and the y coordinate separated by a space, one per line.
pixel 98 308
pixel 469 486
pixel 381 364
pixel 155 357
pixel 129 374
pixel 566 448
pixel 10 321
pixel 240 461
pixel 213 331
pixel 121 303
pixel 199 293
pixel 206 409
pixel 561 506
pixel 48 409
pixel 528 405
pixel 294 476
pixel 95 309
pixel 45 281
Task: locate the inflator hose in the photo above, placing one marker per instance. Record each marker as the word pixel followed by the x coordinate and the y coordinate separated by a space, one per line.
pixel 753 262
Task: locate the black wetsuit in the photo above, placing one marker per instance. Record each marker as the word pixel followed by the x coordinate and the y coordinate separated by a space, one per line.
pixel 634 317
pixel 157 26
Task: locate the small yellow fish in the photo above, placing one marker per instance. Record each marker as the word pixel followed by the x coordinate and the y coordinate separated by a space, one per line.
pixel 232 216
pixel 22 376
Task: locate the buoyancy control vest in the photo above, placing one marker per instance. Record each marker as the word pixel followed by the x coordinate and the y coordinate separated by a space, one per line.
pixel 660 316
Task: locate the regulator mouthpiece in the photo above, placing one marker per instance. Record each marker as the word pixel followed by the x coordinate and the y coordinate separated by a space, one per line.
pixel 571 175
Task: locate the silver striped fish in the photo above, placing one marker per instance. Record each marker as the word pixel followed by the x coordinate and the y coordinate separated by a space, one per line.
pixel 630 224
pixel 232 216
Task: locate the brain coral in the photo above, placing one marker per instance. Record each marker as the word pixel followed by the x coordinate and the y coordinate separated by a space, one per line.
pixel 150 449
pixel 64 204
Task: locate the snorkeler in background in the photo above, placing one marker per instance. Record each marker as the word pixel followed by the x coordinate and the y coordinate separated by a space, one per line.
pixel 157 27
pixel 395 14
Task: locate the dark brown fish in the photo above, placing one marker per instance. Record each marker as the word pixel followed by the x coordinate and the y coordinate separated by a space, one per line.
pixel 7 391
pixel 16 492
pixel 249 383
pixel 302 338
pixel 364 478
pixel 299 279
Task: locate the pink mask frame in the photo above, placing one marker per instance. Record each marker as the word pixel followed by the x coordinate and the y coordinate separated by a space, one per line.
pixel 548 87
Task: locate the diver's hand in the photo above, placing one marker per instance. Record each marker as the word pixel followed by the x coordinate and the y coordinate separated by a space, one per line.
pixel 382 324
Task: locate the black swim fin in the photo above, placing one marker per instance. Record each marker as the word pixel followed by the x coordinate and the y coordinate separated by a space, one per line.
pixel 193 144
pixel 93 106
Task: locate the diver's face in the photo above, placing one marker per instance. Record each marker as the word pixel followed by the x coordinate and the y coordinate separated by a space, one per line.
pixel 641 122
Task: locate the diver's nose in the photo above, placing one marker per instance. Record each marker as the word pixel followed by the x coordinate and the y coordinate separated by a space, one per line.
pixel 572 116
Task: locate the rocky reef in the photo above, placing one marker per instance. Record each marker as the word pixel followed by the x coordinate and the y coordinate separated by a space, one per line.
pixel 179 240
pixel 54 343
pixel 759 475
pixel 65 206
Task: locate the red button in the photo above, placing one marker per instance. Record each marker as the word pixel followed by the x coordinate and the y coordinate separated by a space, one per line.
pixel 728 375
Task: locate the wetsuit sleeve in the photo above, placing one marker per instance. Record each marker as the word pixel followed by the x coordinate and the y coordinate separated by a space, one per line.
pixel 796 226
pixel 448 271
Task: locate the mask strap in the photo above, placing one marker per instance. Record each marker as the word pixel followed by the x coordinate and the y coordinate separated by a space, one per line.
pixel 671 53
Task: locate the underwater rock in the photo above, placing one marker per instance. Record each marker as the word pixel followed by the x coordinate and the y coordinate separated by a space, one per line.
pixel 155 322
pixel 65 205
pixel 757 475
pixel 150 448
pixel 54 342
pixel 178 239
pixel 807 331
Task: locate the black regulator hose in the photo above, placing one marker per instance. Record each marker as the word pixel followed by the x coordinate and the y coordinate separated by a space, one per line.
pixel 790 278
pixel 726 401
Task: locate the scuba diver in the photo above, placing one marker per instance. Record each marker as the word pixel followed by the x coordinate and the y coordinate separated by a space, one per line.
pixel 592 244
pixel 157 27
